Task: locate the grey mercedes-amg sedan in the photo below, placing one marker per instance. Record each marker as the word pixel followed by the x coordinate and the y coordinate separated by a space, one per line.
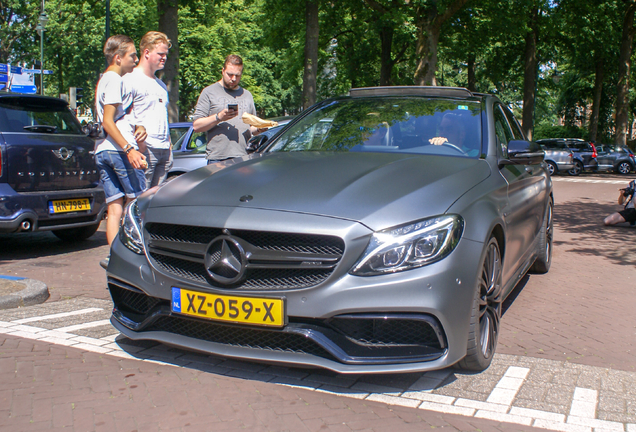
pixel 379 232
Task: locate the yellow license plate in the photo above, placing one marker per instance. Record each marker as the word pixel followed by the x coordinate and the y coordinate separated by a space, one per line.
pixel 243 310
pixel 71 205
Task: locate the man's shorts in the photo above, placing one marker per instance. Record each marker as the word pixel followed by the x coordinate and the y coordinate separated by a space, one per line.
pixel 118 176
pixel 629 214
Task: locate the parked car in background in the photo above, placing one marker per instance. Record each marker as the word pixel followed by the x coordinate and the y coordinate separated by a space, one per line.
pixel 189 149
pixel 558 156
pixel 583 152
pixel 616 158
pixel 177 130
pixel 48 177
pixel 349 243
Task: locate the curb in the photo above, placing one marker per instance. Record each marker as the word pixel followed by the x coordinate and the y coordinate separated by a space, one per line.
pixel 36 292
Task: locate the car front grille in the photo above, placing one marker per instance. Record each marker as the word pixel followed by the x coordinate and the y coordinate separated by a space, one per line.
pixel 238 336
pixel 274 261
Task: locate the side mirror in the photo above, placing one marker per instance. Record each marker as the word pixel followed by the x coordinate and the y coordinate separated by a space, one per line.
pixel 525 152
pixel 255 143
pixel 93 130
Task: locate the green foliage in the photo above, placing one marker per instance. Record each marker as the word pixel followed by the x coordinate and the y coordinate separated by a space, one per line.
pixel 270 36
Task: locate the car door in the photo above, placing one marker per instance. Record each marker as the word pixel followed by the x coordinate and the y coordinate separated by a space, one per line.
pixel 604 157
pixel 523 213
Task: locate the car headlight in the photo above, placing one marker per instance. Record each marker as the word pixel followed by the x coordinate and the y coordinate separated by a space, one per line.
pixel 130 231
pixel 410 246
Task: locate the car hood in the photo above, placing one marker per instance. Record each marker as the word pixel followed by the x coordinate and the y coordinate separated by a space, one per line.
pixel 376 189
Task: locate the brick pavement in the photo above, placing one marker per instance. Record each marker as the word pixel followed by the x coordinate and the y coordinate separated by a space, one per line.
pixel 50 387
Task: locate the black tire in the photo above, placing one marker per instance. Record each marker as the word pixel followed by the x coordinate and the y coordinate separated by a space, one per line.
pixel 544 257
pixel 552 168
pixel 76 234
pixel 578 169
pixel 624 167
pixel 485 316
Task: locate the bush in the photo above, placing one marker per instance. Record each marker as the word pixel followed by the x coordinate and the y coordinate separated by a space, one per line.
pixel 542 131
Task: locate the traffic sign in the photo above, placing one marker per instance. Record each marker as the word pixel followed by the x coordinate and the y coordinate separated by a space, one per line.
pixel 4 78
pixel 16 70
pixel 27 89
pixel 4 68
pixel 48 72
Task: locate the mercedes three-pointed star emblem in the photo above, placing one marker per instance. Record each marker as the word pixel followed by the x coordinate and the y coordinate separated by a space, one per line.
pixel 225 260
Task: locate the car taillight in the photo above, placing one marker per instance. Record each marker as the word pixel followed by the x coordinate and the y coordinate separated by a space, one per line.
pixel 594 154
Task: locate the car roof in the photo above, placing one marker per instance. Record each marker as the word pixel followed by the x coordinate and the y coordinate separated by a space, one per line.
pixel 180 124
pixel 6 97
pixel 435 91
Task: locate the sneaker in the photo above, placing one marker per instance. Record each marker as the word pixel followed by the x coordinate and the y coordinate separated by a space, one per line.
pixel 104 262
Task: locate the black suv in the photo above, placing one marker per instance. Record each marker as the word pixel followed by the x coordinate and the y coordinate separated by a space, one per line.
pixel 48 176
pixel 584 153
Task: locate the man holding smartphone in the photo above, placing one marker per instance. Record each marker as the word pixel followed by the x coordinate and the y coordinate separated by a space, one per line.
pixel 218 112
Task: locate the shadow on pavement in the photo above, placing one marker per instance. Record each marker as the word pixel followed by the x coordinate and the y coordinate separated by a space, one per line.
pixel 43 244
pixel 584 220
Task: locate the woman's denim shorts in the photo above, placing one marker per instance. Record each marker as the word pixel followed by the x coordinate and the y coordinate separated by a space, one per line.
pixel 118 176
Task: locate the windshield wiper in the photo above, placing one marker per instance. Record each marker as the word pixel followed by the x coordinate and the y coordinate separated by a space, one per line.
pixel 41 128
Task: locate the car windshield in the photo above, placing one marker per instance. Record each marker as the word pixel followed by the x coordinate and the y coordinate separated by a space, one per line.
pixel 34 115
pixel 394 125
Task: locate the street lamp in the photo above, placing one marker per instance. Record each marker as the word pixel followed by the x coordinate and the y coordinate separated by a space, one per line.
pixel 44 18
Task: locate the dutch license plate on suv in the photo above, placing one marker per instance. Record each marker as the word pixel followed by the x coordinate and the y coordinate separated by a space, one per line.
pixel 70 205
pixel 259 311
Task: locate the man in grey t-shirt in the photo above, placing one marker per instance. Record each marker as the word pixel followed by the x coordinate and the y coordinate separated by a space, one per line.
pixel 227 135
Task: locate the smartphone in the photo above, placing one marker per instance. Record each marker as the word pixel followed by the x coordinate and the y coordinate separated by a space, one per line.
pixel 232 107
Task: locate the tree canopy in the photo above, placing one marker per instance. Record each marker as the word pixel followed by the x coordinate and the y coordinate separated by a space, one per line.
pixel 556 63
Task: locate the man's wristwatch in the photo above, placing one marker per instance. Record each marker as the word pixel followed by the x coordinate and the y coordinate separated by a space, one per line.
pixel 128 149
pixel 218 120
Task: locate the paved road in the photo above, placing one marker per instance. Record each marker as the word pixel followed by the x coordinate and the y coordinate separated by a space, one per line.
pixel 565 359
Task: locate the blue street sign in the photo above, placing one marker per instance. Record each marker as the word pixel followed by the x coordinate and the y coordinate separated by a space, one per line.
pixel 16 70
pixel 48 72
pixel 27 89
pixel 4 79
pixel 31 71
pixel 4 68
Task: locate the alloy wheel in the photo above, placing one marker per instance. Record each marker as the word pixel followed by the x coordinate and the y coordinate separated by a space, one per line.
pixel 490 300
pixel 548 231
pixel 578 168
pixel 624 168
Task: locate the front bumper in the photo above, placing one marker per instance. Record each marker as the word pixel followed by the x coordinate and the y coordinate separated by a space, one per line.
pixel 33 207
pixel 411 321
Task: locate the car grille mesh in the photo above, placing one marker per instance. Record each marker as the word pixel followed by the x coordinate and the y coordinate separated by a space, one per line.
pixel 132 301
pixel 238 336
pixel 269 275
pixel 267 279
pixel 387 332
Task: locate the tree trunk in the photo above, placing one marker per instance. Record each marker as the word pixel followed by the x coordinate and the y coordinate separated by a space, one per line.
pixel 310 72
pixel 386 63
pixel 426 49
pixel 168 23
pixel 596 103
pixel 530 76
pixel 472 79
pixel 624 66
pixel 429 21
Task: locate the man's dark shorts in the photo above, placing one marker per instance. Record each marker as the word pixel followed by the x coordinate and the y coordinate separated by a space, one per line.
pixel 629 214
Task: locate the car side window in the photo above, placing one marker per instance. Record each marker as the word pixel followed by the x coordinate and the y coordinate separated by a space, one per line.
pixel 502 130
pixel 514 125
pixel 198 142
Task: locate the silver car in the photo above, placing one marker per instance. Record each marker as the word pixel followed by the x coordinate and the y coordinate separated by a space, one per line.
pixel 558 156
pixel 380 232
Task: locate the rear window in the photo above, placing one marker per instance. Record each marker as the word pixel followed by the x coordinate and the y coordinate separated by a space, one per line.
pixel 32 115
pixel 554 145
